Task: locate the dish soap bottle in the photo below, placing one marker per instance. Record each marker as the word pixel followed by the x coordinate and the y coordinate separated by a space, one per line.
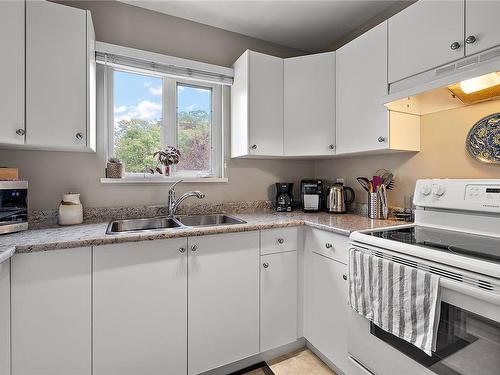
pixel 70 210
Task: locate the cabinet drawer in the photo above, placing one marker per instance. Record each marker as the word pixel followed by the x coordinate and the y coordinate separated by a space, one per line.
pixel 331 245
pixel 278 240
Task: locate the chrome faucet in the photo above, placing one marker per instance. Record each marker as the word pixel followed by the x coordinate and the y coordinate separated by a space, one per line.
pixel 173 203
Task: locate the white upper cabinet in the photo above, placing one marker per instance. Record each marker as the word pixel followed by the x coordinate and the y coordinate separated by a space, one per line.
pixel 425 35
pixel 223 299
pixel 482 29
pixel 140 308
pixel 51 312
pixel 59 112
pixel 257 106
pixel 12 127
pixel 362 120
pixel 309 105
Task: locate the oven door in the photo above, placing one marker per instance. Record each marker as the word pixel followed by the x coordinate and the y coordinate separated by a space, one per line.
pixel 468 338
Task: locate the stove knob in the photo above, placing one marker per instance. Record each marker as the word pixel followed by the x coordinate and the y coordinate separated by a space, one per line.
pixel 438 190
pixel 426 190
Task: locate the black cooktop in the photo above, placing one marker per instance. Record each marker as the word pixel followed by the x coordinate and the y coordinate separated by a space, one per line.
pixel 473 245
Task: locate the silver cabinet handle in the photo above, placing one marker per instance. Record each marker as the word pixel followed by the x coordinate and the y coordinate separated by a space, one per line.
pixel 79 136
pixel 182 249
pixel 194 247
pixel 331 147
pixel 455 45
pixel 381 139
pixel 344 276
pixel 281 240
pixel 471 39
pixel 265 265
pixel 328 245
pixel 253 147
pixel 20 132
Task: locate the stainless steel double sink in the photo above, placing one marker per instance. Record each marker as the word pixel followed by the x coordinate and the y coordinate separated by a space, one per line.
pixel 164 222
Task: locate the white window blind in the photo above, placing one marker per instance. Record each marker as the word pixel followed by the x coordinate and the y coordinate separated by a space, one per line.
pixel 123 57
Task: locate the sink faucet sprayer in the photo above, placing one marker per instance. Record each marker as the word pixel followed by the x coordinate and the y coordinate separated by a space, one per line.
pixel 173 203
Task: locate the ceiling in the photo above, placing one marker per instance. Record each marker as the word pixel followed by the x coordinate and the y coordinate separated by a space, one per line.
pixel 305 25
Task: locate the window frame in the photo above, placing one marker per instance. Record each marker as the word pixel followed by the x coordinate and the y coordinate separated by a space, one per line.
pixel 169 122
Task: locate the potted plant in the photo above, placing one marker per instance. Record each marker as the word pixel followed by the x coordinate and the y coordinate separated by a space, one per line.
pixel 165 158
pixel 114 168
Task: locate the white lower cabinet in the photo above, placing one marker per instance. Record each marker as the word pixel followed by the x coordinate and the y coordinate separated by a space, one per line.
pixel 278 299
pixel 140 308
pixel 325 308
pixel 223 299
pixel 51 312
pixel 5 318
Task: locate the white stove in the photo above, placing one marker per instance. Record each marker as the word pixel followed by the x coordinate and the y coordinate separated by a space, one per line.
pixel 456 235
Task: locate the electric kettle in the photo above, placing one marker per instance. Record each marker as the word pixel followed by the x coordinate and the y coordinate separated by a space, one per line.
pixel 337 198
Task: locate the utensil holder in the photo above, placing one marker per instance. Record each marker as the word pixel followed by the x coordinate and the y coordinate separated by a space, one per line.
pixel 374 206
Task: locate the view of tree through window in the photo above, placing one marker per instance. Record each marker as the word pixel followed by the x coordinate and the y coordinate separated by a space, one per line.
pixel 138 118
pixel 142 126
pixel 193 127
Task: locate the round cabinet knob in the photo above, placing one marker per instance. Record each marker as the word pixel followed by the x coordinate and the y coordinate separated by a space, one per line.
pixel 426 190
pixel 454 46
pixel 280 240
pixel 20 132
pixel 331 147
pixel 253 147
pixel 438 190
pixel 182 249
pixel 79 136
pixel 194 247
pixel 265 265
pixel 328 245
pixel 344 276
pixel 381 139
pixel 471 39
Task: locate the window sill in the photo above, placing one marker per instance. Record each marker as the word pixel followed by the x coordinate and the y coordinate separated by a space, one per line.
pixel 161 180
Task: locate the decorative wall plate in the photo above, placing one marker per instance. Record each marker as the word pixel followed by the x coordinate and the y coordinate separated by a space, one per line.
pixel 483 140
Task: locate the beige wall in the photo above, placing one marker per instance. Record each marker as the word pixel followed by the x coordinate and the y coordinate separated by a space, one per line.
pixel 442 155
pixel 50 174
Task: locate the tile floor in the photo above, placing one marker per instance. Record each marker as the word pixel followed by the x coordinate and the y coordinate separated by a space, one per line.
pixel 300 362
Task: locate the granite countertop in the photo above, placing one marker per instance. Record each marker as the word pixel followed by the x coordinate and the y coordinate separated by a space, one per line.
pixel 95 234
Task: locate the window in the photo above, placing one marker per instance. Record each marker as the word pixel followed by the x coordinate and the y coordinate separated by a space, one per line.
pixel 151 111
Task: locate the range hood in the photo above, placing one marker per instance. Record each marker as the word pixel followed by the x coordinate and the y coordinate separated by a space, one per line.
pixel 464 82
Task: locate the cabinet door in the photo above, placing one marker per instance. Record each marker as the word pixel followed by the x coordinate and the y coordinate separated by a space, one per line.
pixel 361 117
pixel 481 24
pixel 12 72
pixel 56 75
pixel 266 105
pixel 421 36
pixel 278 300
pixel 223 299
pixel 140 308
pixel 5 318
pixel 309 105
pixel 326 309
pixel 51 312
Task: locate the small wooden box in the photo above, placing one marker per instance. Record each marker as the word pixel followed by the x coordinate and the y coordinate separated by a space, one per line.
pixel 9 174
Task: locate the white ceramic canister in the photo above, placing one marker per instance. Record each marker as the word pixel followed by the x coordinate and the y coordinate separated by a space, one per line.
pixel 70 210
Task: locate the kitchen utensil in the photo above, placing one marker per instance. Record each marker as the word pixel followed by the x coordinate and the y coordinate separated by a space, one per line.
pixel 377 181
pixel 364 182
pixel 387 178
pixel 337 198
pixel 383 200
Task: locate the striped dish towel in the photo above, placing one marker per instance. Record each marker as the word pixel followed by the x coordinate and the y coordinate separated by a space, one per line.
pixel 399 299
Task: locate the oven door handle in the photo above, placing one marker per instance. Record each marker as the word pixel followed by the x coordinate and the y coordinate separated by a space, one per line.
pixel 471 291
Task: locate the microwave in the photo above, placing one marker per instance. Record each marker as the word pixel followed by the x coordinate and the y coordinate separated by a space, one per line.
pixel 13 206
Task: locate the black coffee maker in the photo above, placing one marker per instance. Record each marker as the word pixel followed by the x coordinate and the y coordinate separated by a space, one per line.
pixel 284 196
